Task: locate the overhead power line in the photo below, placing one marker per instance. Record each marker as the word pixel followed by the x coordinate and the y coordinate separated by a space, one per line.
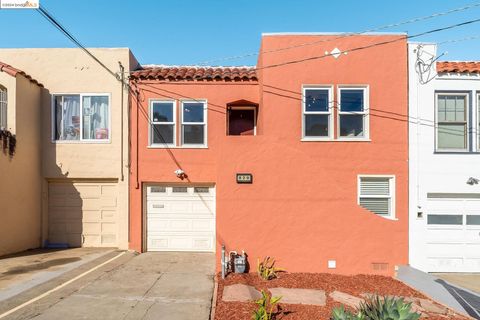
pixel 49 17
pixel 347 34
pixel 376 44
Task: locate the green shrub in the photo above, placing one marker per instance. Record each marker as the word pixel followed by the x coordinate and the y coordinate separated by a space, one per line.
pixel 266 269
pixel 265 306
pixel 376 308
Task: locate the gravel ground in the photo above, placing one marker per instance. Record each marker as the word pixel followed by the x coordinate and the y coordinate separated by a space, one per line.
pixel 354 285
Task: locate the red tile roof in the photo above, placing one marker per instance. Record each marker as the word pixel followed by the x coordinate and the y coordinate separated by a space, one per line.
pixel 458 66
pixel 14 71
pixel 193 73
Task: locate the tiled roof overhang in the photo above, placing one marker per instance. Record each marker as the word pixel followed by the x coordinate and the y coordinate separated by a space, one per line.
pixel 186 73
pixel 8 69
pixel 458 66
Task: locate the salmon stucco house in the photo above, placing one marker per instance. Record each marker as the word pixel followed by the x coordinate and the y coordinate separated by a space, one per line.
pixel 303 157
pixel 70 184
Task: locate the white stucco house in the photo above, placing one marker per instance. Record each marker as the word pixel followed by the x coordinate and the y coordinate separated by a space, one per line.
pixel 444 162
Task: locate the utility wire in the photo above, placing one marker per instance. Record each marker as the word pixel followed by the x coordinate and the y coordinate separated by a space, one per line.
pixel 49 17
pixel 459 40
pixel 376 44
pixel 347 34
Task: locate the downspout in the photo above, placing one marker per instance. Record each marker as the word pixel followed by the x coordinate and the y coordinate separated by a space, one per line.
pixel 122 79
pixel 137 185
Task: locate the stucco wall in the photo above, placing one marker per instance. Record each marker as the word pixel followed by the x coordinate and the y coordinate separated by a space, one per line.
pixel 430 171
pixel 302 207
pixel 20 187
pixel 69 71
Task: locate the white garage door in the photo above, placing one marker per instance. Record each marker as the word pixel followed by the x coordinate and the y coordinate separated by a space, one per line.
pixel 180 218
pixel 453 236
pixel 82 214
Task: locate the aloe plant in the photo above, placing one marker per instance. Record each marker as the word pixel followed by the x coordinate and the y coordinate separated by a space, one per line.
pixel 265 307
pixel 266 268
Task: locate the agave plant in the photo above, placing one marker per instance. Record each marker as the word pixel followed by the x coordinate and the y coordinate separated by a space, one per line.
pixel 376 308
pixel 387 308
pixel 341 314
pixel 266 268
pixel 265 307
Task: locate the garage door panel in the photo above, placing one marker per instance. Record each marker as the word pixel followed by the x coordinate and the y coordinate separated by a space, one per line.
pixel 83 210
pixel 451 237
pixel 179 207
pixel 472 236
pixel 166 225
pixel 74 228
pixel 172 242
pixel 109 227
pixel 472 250
pixel 89 191
pixel 442 263
pixel 444 249
pixel 445 235
pixel 92 215
pixel 180 218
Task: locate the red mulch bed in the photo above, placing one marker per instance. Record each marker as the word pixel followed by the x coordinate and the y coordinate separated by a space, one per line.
pixel 354 285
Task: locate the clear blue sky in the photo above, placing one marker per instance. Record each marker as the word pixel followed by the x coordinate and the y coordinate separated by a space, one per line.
pixel 193 31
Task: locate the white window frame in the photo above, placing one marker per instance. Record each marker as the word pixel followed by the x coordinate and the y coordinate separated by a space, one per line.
pixel 4 104
pixel 330 112
pixel 151 123
pixel 391 179
pixel 365 112
pixel 467 112
pixel 477 123
pixel 81 140
pixel 243 108
pixel 204 123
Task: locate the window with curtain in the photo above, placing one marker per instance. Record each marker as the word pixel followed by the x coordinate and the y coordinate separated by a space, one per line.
pixel 452 122
pixel 3 107
pixel 80 117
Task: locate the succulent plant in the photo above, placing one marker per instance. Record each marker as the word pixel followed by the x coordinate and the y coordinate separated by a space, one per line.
pixel 376 308
pixel 266 268
pixel 387 308
pixel 265 306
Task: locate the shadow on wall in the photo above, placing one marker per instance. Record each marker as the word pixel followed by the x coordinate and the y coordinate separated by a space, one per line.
pixel 63 224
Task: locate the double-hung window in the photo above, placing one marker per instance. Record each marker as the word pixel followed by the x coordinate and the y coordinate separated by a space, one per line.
pixel 162 129
pixel 81 117
pixel 3 107
pixel 194 124
pixel 185 120
pixel 352 113
pixel 377 194
pixel 452 127
pixel 317 113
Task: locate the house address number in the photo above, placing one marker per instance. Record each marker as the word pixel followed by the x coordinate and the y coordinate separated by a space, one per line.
pixel 244 178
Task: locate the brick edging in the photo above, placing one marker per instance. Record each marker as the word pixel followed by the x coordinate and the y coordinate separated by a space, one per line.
pixel 214 298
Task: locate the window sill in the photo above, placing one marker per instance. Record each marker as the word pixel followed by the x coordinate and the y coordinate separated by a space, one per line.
pixel 316 139
pixel 389 218
pixel 336 140
pixel 455 152
pixel 354 139
pixel 81 142
pixel 176 147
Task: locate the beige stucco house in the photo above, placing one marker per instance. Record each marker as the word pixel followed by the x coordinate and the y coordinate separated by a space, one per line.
pixel 84 144
pixel 20 173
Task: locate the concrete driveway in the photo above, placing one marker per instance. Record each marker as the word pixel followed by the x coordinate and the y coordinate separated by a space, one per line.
pixel 145 286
